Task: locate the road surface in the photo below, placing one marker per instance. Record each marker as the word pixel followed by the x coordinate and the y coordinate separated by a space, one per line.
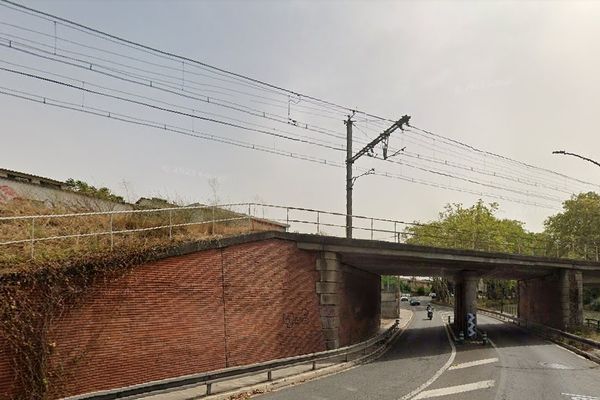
pixel 424 364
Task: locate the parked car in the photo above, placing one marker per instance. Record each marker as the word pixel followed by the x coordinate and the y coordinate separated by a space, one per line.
pixel 403 298
pixel 415 302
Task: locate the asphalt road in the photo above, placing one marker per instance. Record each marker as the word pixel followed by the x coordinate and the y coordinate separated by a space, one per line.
pixel 423 364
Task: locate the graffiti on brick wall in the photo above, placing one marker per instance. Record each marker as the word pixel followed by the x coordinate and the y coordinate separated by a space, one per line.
pixel 7 194
pixel 292 319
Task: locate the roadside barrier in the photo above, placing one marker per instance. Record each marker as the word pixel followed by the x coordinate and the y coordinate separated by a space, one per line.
pixel 380 342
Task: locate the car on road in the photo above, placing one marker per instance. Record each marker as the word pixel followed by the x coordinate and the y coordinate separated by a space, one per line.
pixel 415 302
pixel 403 298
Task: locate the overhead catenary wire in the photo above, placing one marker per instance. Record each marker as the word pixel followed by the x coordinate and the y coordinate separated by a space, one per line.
pixel 247 145
pixel 165 109
pixel 320 109
pixel 158 84
pixel 110 52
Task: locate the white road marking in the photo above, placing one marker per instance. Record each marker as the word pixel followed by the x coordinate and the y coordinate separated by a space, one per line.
pixel 469 387
pixel 580 396
pixel 473 363
pixel 439 372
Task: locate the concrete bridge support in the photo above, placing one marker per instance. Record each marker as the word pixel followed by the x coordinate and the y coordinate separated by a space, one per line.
pixel 465 302
pixel 555 300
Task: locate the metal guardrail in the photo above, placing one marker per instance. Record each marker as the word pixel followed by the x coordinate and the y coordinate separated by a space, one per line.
pixel 32 229
pixel 543 329
pixel 209 378
pixel 592 322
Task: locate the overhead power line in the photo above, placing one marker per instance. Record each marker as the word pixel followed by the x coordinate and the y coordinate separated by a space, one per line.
pixel 576 155
pixel 165 109
pixel 277 104
pixel 47 101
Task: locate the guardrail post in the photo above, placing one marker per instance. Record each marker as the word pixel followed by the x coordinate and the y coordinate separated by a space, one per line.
pixel 448 320
pixel 32 238
pixel 112 240
pixel 269 375
pixel 314 365
pixel 318 222
pixel 346 356
pixel 287 218
pixel 170 224
pixel 371 228
pixel 250 225
pixel 213 220
pixel 208 388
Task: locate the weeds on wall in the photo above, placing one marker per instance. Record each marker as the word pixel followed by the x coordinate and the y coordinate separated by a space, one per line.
pixel 32 301
pixel 36 291
pixel 89 233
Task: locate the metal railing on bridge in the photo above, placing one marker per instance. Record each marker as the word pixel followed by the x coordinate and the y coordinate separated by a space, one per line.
pixel 32 236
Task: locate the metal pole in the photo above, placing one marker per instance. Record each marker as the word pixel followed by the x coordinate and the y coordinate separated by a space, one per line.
pixel 349 177
pixel 213 221
pixel 112 242
pixel 250 224
pixel 371 228
pixel 318 222
pixel 32 237
pixel 170 224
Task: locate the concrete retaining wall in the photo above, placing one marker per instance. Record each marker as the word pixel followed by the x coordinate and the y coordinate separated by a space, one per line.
pixel 10 189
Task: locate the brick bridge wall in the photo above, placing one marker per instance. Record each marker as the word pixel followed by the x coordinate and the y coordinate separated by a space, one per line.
pixel 203 311
pixel 555 300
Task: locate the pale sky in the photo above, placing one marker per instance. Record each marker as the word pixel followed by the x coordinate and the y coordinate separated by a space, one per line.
pixel 515 78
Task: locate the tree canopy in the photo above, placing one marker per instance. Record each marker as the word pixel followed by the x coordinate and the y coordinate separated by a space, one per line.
pixel 87 189
pixel 476 227
pixel 576 230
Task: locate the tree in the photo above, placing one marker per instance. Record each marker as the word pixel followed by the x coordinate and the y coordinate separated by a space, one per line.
pixel 575 232
pixel 477 228
pixel 89 190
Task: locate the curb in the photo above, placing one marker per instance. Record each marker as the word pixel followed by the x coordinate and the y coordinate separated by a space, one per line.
pixel 574 349
pixel 281 383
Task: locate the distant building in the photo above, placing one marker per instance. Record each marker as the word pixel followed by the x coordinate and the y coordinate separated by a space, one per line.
pixel 16 185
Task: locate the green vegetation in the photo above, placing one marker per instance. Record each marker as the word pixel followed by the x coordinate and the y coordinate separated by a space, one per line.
pixel 573 233
pixel 85 188
pixel 391 284
pixel 477 228
pixel 577 228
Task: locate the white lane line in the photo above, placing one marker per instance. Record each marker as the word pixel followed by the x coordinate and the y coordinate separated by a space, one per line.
pixel 455 389
pixel 580 396
pixel 439 372
pixel 473 363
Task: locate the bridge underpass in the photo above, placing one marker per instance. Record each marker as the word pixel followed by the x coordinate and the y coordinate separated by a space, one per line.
pixel 206 306
pixel 550 289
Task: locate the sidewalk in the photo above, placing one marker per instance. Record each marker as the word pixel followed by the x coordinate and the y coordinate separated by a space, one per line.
pixel 241 388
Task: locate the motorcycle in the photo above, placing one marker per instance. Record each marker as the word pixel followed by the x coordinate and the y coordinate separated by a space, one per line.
pixel 430 314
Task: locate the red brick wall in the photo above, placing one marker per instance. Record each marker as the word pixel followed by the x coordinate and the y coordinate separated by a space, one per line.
pixel 163 319
pixel 7 376
pixel 539 300
pixel 271 305
pixel 188 314
pixel 360 305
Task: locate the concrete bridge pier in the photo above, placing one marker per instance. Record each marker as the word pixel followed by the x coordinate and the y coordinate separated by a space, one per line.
pixel 465 303
pixel 555 300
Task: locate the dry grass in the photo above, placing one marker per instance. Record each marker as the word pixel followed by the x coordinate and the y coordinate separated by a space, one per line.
pixel 16 256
